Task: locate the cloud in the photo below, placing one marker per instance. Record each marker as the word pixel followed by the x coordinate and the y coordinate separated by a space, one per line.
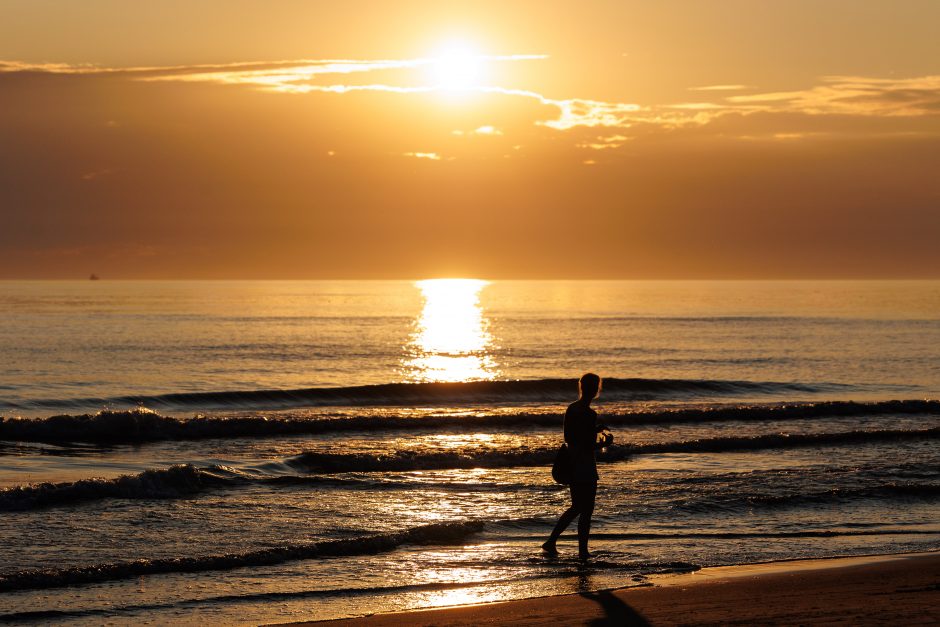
pixel 847 96
pixel 298 77
pixel 719 88
pixel 165 70
pixel 280 77
pixel 575 112
pixel 580 112
pixel 697 106
pixel 289 88
pixel 853 95
pixel 288 75
pixel 57 68
pixel 605 142
pixel 433 156
pixel 487 130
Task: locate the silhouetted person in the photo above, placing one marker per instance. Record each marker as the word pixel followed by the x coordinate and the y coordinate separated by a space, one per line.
pixel 581 435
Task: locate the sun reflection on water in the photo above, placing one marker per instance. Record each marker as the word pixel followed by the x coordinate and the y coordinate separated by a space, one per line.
pixel 451 338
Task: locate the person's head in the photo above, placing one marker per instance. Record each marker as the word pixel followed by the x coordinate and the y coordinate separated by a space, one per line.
pixel 589 386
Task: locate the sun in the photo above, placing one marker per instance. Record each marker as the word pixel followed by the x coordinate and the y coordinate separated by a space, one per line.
pixel 457 67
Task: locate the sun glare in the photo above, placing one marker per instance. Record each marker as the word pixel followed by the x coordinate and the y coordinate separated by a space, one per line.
pixel 451 336
pixel 457 67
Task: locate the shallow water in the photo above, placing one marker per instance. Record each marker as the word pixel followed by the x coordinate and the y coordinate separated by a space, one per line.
pixel 300 454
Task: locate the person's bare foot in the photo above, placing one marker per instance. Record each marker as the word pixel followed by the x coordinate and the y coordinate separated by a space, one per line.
pixel 584 555
pixel 549 547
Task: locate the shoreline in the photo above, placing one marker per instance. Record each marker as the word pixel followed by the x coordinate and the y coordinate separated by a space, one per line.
pixel 901 588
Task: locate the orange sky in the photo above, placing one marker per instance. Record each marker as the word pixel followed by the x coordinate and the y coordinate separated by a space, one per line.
pixel 502 140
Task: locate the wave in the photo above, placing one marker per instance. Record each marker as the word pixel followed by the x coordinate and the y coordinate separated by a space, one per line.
pixel 411 460
pixel 145 425
pixel 640 570
pixel 320 468
pixel 186 480
pixel 174 482
pixel 59 615
pixel 436 534
pixel 736 502
pixel 928 491
pixel 439 534
pixel 544 390
pixel 787 440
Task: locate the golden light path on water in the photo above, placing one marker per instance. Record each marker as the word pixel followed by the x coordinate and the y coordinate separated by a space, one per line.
pixel 451 337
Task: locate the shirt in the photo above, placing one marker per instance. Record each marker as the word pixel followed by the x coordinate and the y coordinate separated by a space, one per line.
pixel 581 436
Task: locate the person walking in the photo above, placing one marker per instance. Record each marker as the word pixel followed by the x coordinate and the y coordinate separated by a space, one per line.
pixel 581 431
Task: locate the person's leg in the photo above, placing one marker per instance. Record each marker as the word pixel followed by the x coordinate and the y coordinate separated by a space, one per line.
pixel 586 493
pixel 562 523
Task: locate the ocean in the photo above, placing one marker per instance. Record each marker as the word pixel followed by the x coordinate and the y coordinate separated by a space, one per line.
pixel 267 451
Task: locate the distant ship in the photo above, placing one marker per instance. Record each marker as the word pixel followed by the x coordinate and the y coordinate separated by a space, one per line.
pixel 94 277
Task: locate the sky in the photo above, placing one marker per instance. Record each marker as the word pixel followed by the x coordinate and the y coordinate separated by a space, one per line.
pixel 541 139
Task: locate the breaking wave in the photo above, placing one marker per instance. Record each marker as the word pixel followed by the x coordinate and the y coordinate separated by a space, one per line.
pixel 326 469
pixel 436 534
pixel 173 482
pixel 413 460
pixel 544 390
pixel 144 425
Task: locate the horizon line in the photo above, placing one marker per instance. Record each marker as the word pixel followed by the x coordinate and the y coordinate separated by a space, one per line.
pixel 483 278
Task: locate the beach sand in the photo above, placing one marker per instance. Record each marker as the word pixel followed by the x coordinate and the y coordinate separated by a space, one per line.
pixel 877 590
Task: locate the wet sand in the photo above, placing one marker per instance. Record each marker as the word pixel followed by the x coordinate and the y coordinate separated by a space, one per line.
pixel 877 590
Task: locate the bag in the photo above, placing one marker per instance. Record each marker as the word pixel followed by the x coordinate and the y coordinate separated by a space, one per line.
pixel 562 469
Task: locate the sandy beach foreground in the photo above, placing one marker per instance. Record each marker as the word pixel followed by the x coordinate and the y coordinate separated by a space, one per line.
pixel 882 590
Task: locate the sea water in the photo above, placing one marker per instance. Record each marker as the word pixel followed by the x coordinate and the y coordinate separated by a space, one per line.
pixel 247 452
